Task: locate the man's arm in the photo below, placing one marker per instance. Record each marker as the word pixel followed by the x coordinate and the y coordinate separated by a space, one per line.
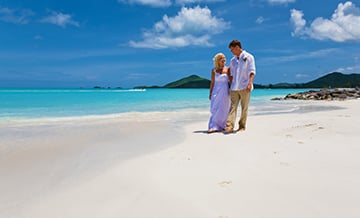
pixel 251 81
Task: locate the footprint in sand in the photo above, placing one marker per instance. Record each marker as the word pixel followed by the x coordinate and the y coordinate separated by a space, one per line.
pixel 306 125
pixel 225 183
pixel 284 164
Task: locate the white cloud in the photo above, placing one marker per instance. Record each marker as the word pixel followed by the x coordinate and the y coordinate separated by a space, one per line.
pixel 152 3
pixel 281 1
pixel 166 3
pixel 348 69
pixel 38 37
pixel 16 16
pixel 344 24
pixel 297 21
pixel 301 76
pixel 197 1
pixel 301 56
pixel 191 26
pixel 60 19
pixel 260 20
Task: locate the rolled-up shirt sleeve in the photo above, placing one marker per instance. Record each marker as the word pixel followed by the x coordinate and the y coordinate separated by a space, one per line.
pixel 251 66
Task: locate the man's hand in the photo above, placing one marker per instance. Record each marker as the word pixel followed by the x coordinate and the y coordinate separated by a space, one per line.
pixel 249 87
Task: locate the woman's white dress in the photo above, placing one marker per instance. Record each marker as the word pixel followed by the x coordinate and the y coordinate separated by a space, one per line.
pixel 220 102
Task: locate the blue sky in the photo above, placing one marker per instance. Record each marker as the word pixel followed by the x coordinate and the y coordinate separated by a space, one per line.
pixel 126 43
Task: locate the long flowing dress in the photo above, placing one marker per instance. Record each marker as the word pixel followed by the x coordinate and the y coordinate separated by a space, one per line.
pixel 220 102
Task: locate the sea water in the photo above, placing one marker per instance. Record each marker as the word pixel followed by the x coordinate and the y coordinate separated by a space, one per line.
pixel 64 103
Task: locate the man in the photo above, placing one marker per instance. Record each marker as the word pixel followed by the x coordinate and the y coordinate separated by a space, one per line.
pixel 242 72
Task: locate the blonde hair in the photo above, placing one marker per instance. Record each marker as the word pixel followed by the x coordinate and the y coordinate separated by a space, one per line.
pixel 216 59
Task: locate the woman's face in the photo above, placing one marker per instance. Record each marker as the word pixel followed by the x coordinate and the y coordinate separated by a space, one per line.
pixel 221 61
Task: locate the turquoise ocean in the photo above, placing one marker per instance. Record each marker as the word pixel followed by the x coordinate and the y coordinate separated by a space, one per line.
pixel 19 104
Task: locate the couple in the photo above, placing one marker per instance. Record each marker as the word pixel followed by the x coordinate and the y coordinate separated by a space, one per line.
pixel 224 102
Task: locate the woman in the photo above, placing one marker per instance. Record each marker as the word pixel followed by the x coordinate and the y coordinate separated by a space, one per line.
pixel 219 94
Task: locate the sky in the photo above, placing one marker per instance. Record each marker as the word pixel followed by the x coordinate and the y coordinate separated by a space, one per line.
pixel 128 43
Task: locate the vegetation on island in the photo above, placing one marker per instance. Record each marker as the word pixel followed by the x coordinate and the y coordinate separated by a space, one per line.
pixel 192 81
pixel 331 80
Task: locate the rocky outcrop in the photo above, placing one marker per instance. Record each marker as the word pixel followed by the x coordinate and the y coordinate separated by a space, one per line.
pixel 324 94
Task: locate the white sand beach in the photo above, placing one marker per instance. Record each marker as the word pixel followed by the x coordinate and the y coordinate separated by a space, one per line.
pixel 286 165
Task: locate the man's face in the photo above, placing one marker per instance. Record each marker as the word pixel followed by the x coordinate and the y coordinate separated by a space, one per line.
pixel 236 50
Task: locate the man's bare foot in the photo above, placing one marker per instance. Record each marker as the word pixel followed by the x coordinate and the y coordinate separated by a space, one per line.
pixel 228 130
pixel 241 129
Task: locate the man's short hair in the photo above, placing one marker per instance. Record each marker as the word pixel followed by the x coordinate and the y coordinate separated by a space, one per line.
pixel 235 43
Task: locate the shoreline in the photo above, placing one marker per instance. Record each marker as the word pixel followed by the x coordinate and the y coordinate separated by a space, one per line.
pixel 299 164
pixel 265 106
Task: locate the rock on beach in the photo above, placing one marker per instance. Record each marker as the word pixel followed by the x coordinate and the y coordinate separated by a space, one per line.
pixel 324 94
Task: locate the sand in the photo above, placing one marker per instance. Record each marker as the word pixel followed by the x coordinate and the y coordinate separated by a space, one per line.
pixel 300 164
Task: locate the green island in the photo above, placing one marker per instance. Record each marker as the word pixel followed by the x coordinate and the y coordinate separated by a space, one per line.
pixel 331 80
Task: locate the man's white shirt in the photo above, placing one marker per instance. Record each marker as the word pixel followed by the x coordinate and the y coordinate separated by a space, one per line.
pixel 240 70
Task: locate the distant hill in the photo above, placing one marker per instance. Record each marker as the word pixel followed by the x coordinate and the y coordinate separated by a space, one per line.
pixel 192 81
pixel 332 80
pixel 335 80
